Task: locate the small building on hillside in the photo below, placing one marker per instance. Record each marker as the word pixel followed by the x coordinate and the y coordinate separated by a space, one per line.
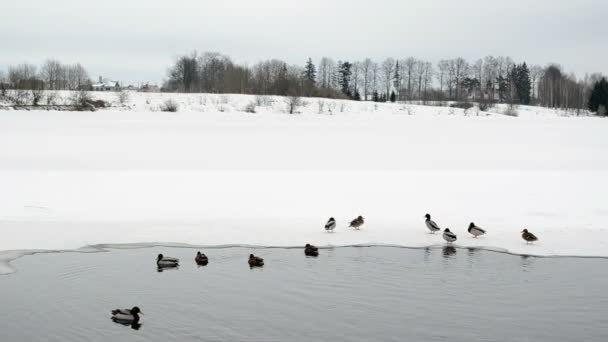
pixel 105 84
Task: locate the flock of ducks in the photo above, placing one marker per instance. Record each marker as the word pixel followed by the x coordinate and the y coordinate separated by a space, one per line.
pixel 473 230
pixel 131 316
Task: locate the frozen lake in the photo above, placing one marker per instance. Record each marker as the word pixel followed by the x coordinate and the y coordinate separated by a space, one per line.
pixel 354 294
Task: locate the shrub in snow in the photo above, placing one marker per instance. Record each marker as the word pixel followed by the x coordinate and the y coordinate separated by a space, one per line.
pixel 410 110
pixel 510 111
pixel 123 97
pixel 250 108
pixel 81 100
pixel 462 105
pixel 169 106
pixel 51 98
pixel 293 102
pixel 263 101
pixel 321 106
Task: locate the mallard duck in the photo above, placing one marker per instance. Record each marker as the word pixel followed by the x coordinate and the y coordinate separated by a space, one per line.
pixel 311 250
pixel 529 237
pixel 431 225
pixel 449 236
pixel 357 223
pixel 126 316
pixel 475 231
pixel 255 261
pixel 330 225
pixel 163 261
pixel 201 259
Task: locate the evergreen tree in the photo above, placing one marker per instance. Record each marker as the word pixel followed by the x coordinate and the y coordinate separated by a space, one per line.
pixel 397 76
pixel 310 72
pixel 523 84
pixel 503 88
pixel 393 96
pixel 598 101
pixel 375 96
pixel 357 96
pixel 344 78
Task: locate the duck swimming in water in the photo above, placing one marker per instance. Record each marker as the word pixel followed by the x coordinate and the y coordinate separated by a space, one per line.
pixel 163 261
pixel 201 259
pixel 357 223
pixel 310 250
pixel 330 225
pixel 475 231
pixel 430 224
pixel 127 316
pixel 255 261
pixel 529 237
pixel 449 236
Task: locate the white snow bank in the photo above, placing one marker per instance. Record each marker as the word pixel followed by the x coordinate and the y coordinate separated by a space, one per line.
pixel 71 179
pixel 59 210
pixel 273 141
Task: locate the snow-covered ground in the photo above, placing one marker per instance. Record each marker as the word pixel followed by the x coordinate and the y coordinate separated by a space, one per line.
pixel 214 175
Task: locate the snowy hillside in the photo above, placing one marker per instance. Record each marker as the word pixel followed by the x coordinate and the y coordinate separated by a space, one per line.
pixel 212 174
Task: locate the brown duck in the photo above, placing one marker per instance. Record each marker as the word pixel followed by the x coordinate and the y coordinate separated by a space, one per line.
pixel 310 250
pixel 529 237
pixel 357 223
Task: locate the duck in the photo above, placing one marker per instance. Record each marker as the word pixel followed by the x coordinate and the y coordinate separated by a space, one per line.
pixel 255 261
pixel 330 225
pixel 430 224
pixel 475 231
pixel 127 316
pixel 163 261
pixel 201 259
pixel 357 223
pixel 529 237
pixel 311 250
pixel 449 236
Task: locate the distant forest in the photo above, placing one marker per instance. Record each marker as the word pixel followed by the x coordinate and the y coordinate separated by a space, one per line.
pixel 485 81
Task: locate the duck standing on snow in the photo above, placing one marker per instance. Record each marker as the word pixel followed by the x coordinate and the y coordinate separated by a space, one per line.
pixel 357 223
pixel 475 231
pixel 431 225
pixel 166 262
pixel 529 237
pixel 310 250
pixel 449 236
pixel 201 259
pixel 330 225
pixel 255 261
pixel 127 316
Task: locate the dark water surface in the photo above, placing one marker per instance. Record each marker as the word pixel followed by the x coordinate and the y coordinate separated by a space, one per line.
pixel 346 294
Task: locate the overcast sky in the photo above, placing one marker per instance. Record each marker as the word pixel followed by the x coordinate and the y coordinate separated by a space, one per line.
pixel 135 40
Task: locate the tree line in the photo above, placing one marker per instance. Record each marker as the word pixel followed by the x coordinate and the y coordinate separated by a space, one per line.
pixel 51 75
pixel 486 80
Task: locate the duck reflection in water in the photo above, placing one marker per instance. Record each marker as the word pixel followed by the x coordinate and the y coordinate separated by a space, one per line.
pixel 449 251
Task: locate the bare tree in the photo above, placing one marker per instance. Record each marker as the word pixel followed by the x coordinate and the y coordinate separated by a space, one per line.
pixel 461 70
pixel 388 68
pixel 536 72
pixel 427 79
pixel 375 76
pixel 366 70
pixel 409 65
pixel 51 73
pixel 443 66
pixel 293 102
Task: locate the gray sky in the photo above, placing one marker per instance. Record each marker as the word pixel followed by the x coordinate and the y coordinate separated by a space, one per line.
pixel 135 40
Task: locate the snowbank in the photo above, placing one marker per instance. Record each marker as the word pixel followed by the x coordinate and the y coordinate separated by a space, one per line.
pixel 74 179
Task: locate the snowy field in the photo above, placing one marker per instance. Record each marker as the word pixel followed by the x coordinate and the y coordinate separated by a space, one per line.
pixel 212 174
